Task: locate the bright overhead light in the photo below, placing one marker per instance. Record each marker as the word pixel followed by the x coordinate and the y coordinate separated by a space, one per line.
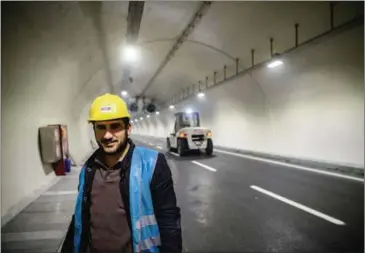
pixel 201 94
pixel 274 64
pixel 130 53
pixel 124 93
pixel 148 116
pixel 172 106
pixel 141 118
pixel 136 120
pixel 189 110
pixel 157 113
pixel 131 121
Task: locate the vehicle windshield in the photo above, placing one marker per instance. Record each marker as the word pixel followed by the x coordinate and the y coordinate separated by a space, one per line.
pixel 190 120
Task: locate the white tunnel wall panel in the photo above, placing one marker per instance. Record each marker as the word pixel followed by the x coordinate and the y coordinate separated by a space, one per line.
pixel 86 133
pixel 37 90
pixel 310 107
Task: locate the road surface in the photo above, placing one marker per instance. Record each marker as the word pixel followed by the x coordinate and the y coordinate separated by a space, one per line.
pixel 233 204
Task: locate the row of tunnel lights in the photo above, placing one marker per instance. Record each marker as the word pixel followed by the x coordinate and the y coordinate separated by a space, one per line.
pixel 130 54
pixel 272 64
pixel 189 110
pixel 141 118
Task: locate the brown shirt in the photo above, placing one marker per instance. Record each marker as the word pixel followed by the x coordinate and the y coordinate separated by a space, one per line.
pixel 109 225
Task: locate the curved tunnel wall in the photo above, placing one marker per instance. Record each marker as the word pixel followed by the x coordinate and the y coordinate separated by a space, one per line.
pixel 42 72
pixel 38 84
pixel 311 107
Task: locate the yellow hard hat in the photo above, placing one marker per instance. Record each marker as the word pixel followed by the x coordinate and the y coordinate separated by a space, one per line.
pixel 108 107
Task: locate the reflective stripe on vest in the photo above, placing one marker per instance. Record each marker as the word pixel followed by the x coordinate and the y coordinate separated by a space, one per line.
pixel 147 220
pixel 145 232
pixel 78 212
pixel 149 245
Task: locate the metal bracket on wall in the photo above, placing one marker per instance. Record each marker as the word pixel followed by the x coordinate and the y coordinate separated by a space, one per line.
pixel 357 21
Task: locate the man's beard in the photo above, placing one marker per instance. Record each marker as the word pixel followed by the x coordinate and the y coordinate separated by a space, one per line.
pixel 119 150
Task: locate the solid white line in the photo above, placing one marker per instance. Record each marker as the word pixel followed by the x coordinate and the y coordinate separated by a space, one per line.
pixel 159 147
pixel 300 206
pixel 292 166
pixel 60 193
pixel 204 166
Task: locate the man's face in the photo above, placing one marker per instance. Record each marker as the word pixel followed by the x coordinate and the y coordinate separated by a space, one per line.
pixel 111 135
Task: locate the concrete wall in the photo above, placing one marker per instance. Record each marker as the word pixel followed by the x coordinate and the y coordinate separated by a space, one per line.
pixel 37 88
pixel 311 107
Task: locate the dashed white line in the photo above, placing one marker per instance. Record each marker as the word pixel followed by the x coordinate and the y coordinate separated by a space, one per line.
pixel 172 153
pixel 204 166
pixel 159 147
pixel 300 206
pixel 150 143
pixel 291 165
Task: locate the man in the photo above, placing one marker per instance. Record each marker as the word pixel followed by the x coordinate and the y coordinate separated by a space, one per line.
pixel 126 200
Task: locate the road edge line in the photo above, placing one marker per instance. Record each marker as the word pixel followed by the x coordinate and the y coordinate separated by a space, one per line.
pixel 299 206
pixel 291 165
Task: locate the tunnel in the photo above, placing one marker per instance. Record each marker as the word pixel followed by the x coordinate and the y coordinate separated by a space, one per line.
pixel 258 108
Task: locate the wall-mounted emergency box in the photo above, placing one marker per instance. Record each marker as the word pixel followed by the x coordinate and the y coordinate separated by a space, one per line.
pixel 50 144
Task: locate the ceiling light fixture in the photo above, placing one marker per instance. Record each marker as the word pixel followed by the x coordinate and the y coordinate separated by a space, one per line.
pixel 130 54
pixel 274 64
pixel 201 94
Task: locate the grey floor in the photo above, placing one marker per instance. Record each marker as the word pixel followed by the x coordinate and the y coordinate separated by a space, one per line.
pixel 221 210
pixel 41 226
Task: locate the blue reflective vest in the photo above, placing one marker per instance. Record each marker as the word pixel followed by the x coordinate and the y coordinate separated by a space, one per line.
pixel 145 232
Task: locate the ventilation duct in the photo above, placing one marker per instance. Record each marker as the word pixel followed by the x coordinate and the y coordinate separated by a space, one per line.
pixel 150 108
pixel 142 105
pixel 133 107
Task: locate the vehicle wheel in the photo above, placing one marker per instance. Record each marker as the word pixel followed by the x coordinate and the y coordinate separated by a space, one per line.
pixel 180 148
pixel 209 149
pixel 168 145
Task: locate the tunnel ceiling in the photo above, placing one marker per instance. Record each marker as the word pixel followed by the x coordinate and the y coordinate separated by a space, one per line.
pixel 93 35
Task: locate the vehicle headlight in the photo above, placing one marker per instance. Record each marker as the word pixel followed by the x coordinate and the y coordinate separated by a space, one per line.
pixel 183 135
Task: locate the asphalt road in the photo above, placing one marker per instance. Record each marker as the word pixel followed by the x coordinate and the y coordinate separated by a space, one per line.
pixel 234 204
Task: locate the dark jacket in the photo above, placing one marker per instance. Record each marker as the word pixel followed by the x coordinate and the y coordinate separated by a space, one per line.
pixel 167 212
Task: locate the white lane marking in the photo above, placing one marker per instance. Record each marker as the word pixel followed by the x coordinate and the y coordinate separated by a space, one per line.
pixel 204 166
pixel 292 166
pixel 60 193
pixel 172 153
pixel 300 206
pixel 150 143
pixel 159 147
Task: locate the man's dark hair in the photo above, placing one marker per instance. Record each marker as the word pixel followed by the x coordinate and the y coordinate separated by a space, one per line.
pixel 126 121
